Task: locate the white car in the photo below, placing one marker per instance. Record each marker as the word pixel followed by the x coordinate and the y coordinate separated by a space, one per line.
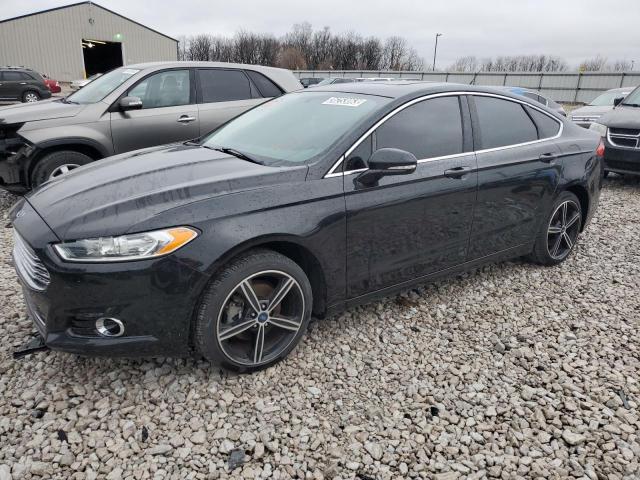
pixel 78 84
pixel 600 105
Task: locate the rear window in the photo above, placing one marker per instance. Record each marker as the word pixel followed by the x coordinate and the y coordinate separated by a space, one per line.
pixel 503 123
pixel 266 87
pixel 223 85
pixel 547 127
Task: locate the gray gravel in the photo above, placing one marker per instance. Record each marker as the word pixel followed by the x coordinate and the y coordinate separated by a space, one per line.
pixel 514 371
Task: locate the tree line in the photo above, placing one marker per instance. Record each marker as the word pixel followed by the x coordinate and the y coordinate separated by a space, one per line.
pixel 304 48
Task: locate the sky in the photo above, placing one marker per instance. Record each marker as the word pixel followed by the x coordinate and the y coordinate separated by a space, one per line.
pixel 572 29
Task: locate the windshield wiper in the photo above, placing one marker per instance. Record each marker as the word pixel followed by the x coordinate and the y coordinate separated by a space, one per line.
pixel 236 153
pixel 630 104
pixel 66 100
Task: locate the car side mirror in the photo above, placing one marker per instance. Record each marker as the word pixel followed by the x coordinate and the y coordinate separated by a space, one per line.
pixel 130 103
pixel 617 101
pixel 387 161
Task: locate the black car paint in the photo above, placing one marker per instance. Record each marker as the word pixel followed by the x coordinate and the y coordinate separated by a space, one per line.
pixel 618 158
pixel 354 243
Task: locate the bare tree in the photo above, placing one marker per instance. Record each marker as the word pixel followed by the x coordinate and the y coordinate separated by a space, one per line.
pixel 595 64
pixel 222 49
pixel 292 59
pixel 465 64
pixel 622 66
pixel 395 49
pixel 322 48
pixel 199 48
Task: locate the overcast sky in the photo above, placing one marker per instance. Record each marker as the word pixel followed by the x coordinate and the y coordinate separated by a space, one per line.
pixel 572 29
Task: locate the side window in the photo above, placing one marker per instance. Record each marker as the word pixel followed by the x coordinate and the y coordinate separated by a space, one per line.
pixel 9 76
pixel 431 128
pixel 267 87
pixel 503 122
pixel 547 127
pixel 360 156
pixel 223 85
pixel 165 89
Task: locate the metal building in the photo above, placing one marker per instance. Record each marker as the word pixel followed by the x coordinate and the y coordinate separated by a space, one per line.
pixel 78 40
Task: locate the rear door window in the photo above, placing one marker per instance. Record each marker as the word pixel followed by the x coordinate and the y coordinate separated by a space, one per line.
pixel 428 129
pixel 12 76
pixel 223 85
pixel 503 123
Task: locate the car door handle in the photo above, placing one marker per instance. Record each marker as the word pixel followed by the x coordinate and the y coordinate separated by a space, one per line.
pixel 457 172
pixel 186 119
pixel 548 157
pixel 23 83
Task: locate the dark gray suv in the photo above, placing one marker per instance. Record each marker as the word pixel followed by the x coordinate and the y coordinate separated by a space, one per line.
pixel 22 84
pixel 129 108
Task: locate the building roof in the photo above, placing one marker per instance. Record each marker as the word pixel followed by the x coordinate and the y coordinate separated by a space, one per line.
pixel 86 3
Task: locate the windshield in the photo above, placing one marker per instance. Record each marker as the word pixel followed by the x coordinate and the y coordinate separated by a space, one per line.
pixel 102 86
pixel 295 128
pixel 633 98
pixel 606 99
pixel 326 81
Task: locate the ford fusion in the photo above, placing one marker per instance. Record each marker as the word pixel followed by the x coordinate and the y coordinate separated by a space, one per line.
pixel 308 204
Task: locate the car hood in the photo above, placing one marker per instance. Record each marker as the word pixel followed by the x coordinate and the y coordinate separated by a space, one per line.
pixel 622 117
pixel 43 110
pixel 112 196
pixel 590 111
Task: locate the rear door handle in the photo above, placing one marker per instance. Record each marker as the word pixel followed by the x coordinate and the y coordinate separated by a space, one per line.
pixel 457 172
pixel 548 157
pixel 186 119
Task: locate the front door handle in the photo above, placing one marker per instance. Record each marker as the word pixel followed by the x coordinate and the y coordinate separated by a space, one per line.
pixel 186 119
pixel 548 157
pixel 23 83
pixel 457 172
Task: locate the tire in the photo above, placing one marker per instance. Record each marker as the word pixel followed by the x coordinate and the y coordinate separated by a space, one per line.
pixel 565 218
pixel 30 96
pixel 226 301
pixel 53 163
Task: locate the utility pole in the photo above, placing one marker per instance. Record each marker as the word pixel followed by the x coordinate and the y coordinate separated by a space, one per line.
pixel 435 51
pixel 633 62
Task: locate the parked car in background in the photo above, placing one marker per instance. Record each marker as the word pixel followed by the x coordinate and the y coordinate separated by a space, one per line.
pixel 22 85
pixel 52 85
pixel 620 131
pixel 309 81
pixel 602 104
pixel 126 109
pixel 547 102
pixel 78 84
pixel 333 80
pixel 319 200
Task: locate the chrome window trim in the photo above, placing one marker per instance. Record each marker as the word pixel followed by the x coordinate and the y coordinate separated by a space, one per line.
pixel 333 173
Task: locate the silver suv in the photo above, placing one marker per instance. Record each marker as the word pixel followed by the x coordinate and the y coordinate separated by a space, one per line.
pixel 129 108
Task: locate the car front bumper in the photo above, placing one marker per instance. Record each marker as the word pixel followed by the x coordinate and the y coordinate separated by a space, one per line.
pixel 621 159
pixel 154 299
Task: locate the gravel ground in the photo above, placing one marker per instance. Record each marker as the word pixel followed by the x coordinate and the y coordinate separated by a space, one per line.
pixel 513 371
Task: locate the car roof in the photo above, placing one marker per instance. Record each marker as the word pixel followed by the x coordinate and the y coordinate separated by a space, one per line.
pixel 142 66
pixel 402 88
pixel 623 89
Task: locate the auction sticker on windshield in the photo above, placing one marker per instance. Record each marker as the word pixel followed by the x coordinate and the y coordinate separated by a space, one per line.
pixel 344 101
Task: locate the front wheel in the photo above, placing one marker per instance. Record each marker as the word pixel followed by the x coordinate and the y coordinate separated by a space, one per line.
pixel 559 232
pixel 30 96
pixel 254 312
pixel 56 164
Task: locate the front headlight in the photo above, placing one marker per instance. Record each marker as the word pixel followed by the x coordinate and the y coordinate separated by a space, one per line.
pixel 598 127
pixel 136 246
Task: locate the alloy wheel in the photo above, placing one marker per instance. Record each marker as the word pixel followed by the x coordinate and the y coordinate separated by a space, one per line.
pixel 62 169
pixel 31 97
pixel 260 317
pixel 563 229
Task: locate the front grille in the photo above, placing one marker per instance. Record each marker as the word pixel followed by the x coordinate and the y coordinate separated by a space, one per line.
pixel 622 165
pixel 624 137
pixel 28 265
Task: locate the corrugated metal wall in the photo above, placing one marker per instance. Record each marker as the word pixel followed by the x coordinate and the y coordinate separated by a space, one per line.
pixel 51 42
pixel 561 87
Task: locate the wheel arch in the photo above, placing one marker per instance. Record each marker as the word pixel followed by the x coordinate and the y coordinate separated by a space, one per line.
pixel 583 196
pixel 293 248
pixel 85 147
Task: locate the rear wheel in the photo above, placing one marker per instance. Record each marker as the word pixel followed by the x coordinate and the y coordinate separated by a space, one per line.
pixel 254 312
pixel 30 96
pixel 559 233
pixel 55 164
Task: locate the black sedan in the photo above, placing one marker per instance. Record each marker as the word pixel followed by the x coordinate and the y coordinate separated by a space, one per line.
pixel 313 202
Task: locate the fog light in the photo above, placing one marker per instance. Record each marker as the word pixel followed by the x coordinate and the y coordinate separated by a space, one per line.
pixel 109 327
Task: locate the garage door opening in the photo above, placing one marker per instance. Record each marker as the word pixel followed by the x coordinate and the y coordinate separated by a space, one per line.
pixel 100 56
